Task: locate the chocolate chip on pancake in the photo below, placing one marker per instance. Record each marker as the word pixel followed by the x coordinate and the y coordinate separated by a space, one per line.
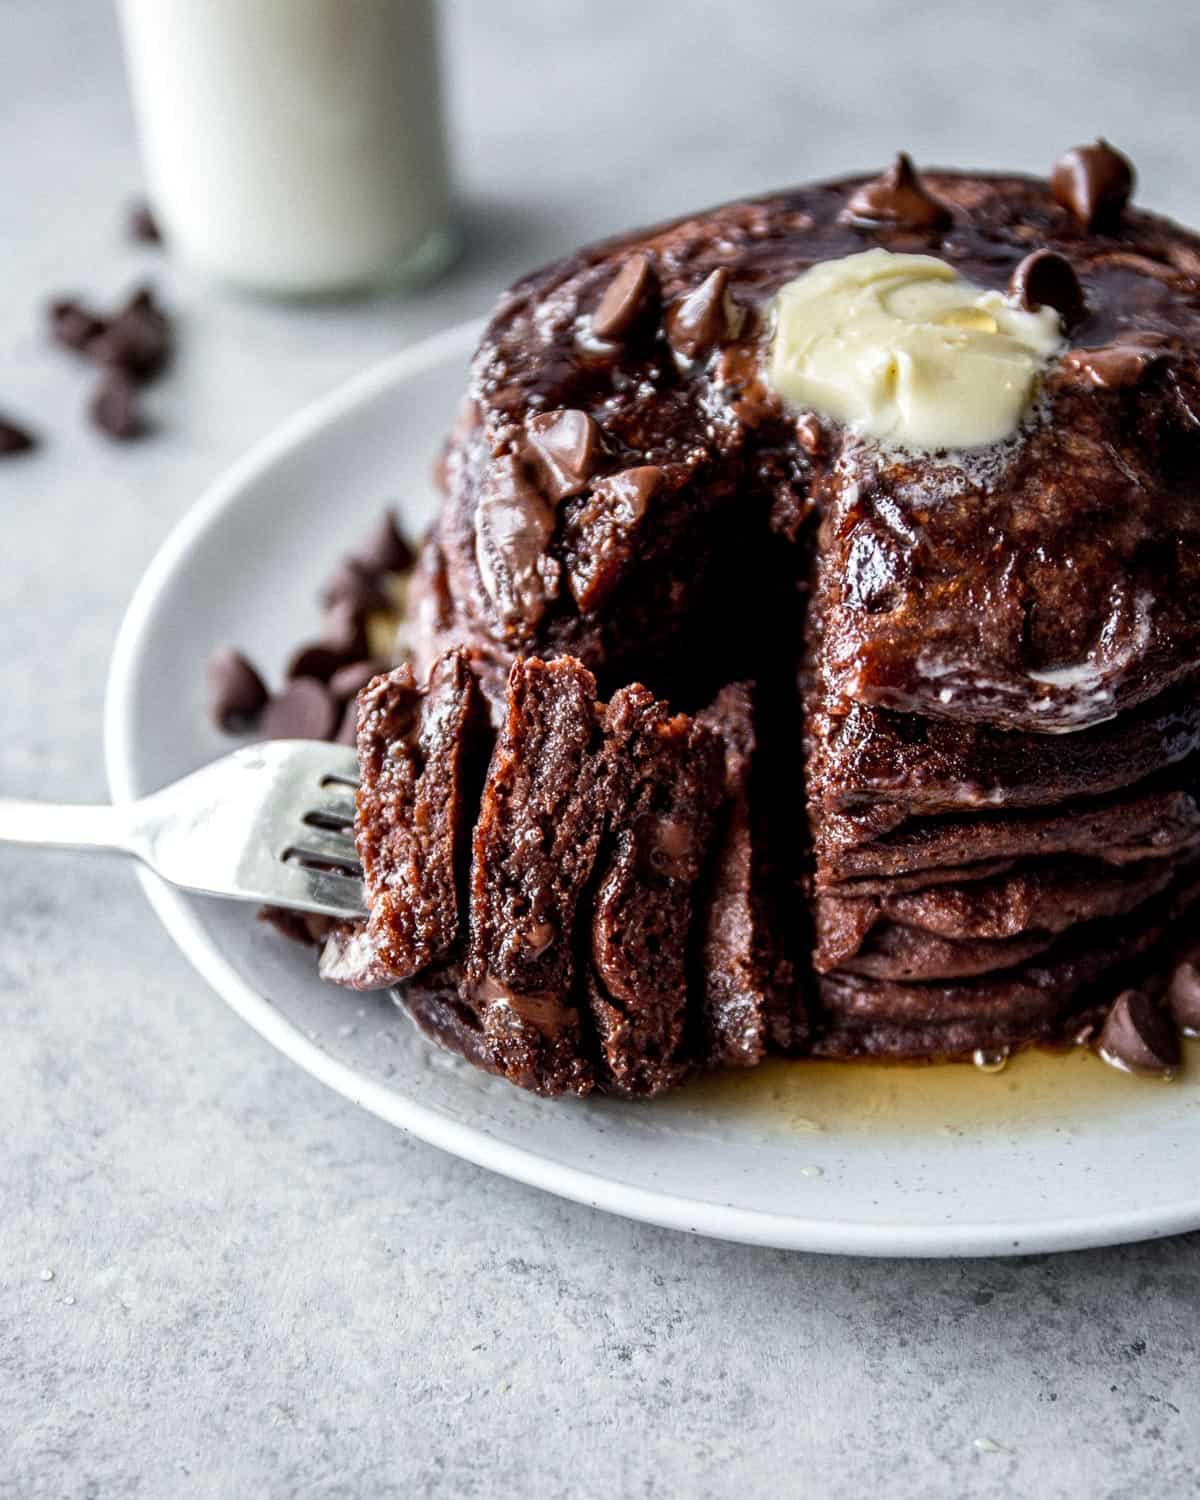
pixel 897 197
pixel 513 527
pixel 565 447
pixel 1139 1036
pixel 1095 183
pixel 631 295
pixel 704 318
pixel 1047 279
pixel 1120 364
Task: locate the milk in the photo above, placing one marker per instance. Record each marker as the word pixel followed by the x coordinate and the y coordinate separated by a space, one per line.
pixel 293 146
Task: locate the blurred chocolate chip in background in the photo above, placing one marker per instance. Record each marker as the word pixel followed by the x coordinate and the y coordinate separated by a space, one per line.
pixel 115 408
pixel 141 225
pixel 236 692
pixel 15 439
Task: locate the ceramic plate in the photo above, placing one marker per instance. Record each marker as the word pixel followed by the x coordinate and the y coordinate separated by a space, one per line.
pixel 1049 1154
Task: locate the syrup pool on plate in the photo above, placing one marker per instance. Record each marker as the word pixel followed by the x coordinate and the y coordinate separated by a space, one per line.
pixel 1036 1088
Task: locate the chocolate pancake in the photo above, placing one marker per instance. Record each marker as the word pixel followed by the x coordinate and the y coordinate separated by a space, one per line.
pixel 964 742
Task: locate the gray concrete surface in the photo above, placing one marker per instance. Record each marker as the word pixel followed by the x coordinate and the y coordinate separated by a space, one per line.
pixel 258 1290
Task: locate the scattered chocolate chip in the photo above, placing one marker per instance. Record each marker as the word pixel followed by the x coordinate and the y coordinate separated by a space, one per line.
pixel 314 659
pixel 628 296
pixel 355 587
pixel 383 549
pixel 14 439
pixel 348 729
pixel 1183 997
pixel 343 631
pixel 1094 183
pixel 142 225
pixel 304 710
pixel 1139 1036
pixel 137 340
pixel 564 447
pixel 73 325
pixel 897 197
pixel 1120 364
pixel 236 693
pixel 704 318
pixel 348 681
pixel 115 408
pixel 603 534
pixel 1047 279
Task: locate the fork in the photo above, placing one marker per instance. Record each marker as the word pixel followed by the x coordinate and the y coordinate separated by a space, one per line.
pixel 270 823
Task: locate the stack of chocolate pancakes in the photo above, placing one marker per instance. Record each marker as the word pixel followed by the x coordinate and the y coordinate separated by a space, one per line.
pixel 734 731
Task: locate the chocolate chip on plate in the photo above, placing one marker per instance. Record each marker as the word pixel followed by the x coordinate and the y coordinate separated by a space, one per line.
pixel 1139 1036
pixel 357 587
pixel 115 408
pixel 236 693
pixel 1047 279
pixel 73 325
pixel 1183 996
pixel 348 681
pixel 897 197
pixel 383 549
pixel 14 439
pixel 303 710
pixel 1094 183
pixel 137 340
pixel 142 225
pixel 629 295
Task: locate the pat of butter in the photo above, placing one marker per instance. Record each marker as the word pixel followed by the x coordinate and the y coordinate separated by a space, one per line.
pixel 901 348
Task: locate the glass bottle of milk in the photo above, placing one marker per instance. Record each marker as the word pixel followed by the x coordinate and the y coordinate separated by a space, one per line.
pixel 296 147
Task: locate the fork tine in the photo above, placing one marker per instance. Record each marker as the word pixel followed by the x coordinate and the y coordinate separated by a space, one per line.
pixel 296 885
pixel 323 844
pixel 334 803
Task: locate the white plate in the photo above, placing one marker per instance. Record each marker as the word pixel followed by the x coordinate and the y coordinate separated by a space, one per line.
pixel 892 1161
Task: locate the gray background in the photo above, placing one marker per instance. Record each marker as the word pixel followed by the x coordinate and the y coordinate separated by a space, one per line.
pixel 259 1290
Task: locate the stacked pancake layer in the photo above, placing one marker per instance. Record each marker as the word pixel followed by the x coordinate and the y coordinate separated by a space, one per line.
pixel 975 815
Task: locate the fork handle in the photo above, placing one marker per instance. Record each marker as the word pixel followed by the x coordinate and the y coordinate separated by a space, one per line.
pixel 63 826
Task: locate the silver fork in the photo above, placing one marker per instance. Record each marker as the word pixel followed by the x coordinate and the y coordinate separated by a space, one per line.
pixel 269 823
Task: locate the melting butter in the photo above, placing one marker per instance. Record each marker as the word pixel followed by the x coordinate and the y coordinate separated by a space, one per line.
pixel 902 349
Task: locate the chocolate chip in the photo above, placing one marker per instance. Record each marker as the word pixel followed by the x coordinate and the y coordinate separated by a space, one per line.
pixel 810 434
pixel 383 549
pixel 602 535
pixel 897 197
pixel 137 340
pixel 704 318
pixel 628 296
pixel 348 681
pixel 236 693
pixel 564 447
pixel 115 408
pixel 73 325
pixel 343 630
pixel 355 587
pixel 14 439
pixel 1094 183
pixel 1118 365
pixel 348 729
pixel 343 641
pixel 304 710
pixel 142 225
pixel 1047 279
pixel 513 527
pixel 1183 996
pixel 1139 1036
